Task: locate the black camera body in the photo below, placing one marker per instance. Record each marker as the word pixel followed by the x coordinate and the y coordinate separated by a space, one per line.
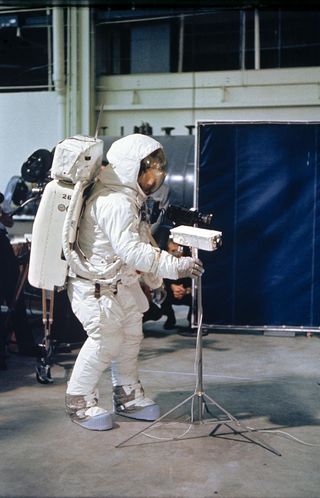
pixel 190 217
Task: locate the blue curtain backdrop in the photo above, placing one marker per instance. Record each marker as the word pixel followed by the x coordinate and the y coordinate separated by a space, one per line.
pixel 261 182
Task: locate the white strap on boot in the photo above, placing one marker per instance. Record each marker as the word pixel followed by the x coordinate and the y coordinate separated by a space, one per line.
pixel 129 401
pixel 84 411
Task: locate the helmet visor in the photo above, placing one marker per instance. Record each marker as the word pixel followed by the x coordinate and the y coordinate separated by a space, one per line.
pixel 153 170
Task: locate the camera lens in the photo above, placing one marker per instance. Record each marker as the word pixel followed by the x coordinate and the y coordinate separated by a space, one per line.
pixel 205 219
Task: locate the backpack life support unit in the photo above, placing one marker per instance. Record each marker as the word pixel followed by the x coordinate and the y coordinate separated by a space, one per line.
pixel 76 164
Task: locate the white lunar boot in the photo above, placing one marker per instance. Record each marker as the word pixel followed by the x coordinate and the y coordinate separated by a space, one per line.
pixel 130 401
pixel 84 411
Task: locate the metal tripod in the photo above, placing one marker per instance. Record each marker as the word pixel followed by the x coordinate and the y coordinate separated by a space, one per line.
pixel 200 401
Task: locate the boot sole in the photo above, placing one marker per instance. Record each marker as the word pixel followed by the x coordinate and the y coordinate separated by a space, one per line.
pixel 101 422
pixel 149 413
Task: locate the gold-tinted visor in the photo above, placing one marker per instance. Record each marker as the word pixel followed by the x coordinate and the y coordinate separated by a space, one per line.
pixel 153 170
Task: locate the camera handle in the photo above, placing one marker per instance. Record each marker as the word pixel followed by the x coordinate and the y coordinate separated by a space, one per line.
pixel 200 401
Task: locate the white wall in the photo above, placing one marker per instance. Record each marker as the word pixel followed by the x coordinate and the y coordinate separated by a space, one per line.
pixel 28 121
pixel 179 99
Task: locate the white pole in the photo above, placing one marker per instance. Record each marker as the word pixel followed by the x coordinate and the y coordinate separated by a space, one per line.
pixel 85 69
pixel 242 40
pixel 58 67
pixel 256 40
pixel 181 44
pixel 74 99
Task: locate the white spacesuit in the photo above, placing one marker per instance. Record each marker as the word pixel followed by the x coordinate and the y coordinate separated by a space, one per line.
pixel 111 312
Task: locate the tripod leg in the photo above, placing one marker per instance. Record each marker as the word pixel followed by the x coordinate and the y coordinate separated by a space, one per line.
pixel 156 421
pixel 213 402
pixel 198 408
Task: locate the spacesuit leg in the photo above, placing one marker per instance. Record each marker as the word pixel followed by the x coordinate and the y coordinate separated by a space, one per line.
pixel 104 339
pixel 91 362
pixel 82 394
pixel 128 394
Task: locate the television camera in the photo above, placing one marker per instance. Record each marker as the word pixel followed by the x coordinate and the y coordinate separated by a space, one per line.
pixel 191 228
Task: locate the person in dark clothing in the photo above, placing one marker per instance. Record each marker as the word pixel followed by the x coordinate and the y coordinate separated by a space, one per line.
pixel 179 292
pixel 15 320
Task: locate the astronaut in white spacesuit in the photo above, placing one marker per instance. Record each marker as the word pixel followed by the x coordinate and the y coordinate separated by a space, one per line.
pixel 111 233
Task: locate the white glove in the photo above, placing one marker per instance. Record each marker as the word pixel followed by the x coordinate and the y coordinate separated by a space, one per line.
pixel 190 267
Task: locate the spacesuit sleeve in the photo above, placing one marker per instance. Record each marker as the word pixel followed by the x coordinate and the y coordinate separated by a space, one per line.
pixel 117 219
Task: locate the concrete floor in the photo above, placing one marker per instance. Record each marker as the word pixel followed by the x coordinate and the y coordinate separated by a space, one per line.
pixel 265 382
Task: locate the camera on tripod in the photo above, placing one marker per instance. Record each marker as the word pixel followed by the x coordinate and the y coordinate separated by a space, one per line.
pixel 190 229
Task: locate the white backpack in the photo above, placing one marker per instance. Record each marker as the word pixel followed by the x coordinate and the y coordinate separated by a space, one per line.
pixel 76 163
